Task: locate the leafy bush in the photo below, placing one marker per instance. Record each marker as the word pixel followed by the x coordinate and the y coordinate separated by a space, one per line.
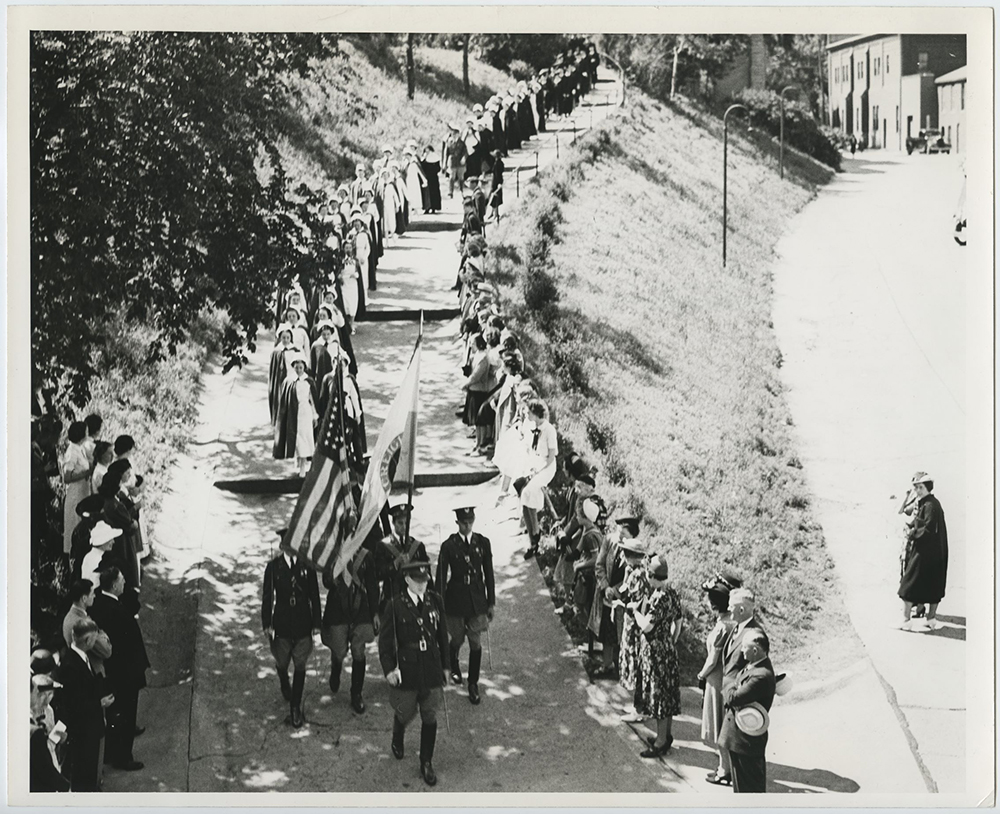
pixel 801 129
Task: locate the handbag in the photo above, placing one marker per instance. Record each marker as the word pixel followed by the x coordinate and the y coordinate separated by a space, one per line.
pixel 519 484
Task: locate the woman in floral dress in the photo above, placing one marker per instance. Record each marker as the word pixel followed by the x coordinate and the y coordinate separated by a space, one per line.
pixel 657 681
pixel 634 589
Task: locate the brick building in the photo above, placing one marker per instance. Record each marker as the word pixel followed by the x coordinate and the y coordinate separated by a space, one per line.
pixel 882 86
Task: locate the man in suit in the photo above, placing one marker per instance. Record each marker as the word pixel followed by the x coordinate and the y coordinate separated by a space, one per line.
pixel 754 683
pixel 350 620
pixel 82 703
pixel 290 614
pixel 411 649
pixel 469 594
pixel 742 606
pixel 126 667
pixel 82 594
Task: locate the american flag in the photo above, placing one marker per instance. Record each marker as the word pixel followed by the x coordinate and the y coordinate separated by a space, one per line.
pixel 325 515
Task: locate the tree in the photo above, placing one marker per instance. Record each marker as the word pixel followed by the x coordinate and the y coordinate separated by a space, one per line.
pixel 157 188
pixel 465 63
pixel 799 59
pixel 411 78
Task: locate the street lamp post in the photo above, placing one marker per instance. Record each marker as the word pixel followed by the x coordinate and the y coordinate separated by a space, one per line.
pixel 725 174
pixel 781 160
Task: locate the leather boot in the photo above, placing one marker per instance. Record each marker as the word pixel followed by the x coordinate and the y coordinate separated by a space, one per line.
pixel 286 688
pixel 475 660
pixel 298 685
pixel 398 730
pixel 428 734
pixel 357 685
pixel 456 669
pixel 335 668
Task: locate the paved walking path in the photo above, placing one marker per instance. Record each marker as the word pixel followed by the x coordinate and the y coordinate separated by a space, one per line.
pixel 214 714
pixel 872 315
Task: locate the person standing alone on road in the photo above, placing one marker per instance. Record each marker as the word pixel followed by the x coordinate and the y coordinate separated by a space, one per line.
pixel 925 568
pixel 290 615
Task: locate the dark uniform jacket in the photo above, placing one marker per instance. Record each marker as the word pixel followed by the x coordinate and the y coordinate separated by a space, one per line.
pixel 356 603
pixel 753 683
pixel 415 641
pixel 126 666
pixel 291 599
pixel 469 590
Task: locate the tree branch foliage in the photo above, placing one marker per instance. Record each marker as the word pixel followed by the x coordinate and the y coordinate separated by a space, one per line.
pixel 157 189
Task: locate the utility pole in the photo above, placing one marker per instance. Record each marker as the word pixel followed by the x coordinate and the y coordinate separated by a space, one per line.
pixel 411 79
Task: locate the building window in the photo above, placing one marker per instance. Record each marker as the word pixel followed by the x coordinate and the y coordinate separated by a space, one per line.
pixel 887 67
pixel 961 87
pixel 922 61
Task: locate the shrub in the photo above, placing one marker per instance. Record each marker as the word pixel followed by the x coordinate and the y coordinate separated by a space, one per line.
pixel 801 129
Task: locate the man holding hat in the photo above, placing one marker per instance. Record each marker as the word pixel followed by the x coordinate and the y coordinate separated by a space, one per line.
pixel 742 606
pixel 465 574
pixel 747 700
pixel 455 157
pixel 398 549
pixel 351 620
pixel 411 648
pixel 290 615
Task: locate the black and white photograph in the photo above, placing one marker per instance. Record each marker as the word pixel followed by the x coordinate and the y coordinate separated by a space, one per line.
pixel 463 400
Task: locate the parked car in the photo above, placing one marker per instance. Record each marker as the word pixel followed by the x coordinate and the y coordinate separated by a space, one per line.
pixel 928 141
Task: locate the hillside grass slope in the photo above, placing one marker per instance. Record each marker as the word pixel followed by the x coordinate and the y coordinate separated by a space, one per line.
pixel 661 366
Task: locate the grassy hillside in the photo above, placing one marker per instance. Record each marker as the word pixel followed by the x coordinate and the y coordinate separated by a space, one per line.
pixel 356 102
pixel 662 366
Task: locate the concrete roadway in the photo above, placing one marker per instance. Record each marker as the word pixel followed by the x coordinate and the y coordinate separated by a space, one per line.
pixel 874 319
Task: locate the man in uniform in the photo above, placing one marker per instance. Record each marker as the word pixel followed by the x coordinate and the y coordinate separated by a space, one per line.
pixel 290 615
pixel 351 620
pixel 411 649
pixel 469 594
pixel 398 549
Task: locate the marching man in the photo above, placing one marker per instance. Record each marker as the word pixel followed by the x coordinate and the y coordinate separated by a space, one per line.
pixel 411 648
pixel 469 594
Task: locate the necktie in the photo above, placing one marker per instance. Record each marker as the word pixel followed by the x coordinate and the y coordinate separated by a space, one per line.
pixel 535 433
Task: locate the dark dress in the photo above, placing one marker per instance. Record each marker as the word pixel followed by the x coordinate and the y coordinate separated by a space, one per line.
pixel 431 169
pixel 496 196
pixel 658 684
pixel 925 570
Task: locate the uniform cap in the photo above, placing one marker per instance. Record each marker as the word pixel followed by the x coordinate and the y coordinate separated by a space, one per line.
pixel 297 356
pixel 419 571
pixel 465 513
pixel 401 510
pixel 325 323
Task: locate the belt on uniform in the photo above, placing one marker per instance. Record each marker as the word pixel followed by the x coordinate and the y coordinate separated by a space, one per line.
pixel 421 646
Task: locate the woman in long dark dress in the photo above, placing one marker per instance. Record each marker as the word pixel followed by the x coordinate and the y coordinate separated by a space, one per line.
pixel 925 569
pixel 496 187
pixel 431 167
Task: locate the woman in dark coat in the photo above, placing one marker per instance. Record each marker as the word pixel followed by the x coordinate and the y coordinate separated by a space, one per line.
pixel 431 168
pixel 925 567
pixel 495 200
pixel 120 513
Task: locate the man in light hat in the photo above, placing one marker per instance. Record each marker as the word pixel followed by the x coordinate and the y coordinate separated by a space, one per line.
pixel 465 574
pixel 754 684
pixel 411 649
pixel 399 547
pixel 290 615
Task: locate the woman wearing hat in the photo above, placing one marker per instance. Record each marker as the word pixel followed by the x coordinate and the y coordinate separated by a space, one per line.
pixel 430 168
pixel 634 589
pixel 280 366
pixel 657 615
pixel 710 676
pixel 321 359
pixel 349 279
pixel 120 513
pixel 295 319
pixel 414 180
pixel 541 469
pixel 925 570
pixel 295 426
pixel 331 314
pixel 89 511
pixel 495 198
pixel 390 203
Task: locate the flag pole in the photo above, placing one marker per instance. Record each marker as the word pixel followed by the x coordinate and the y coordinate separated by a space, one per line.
pixel 409 486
